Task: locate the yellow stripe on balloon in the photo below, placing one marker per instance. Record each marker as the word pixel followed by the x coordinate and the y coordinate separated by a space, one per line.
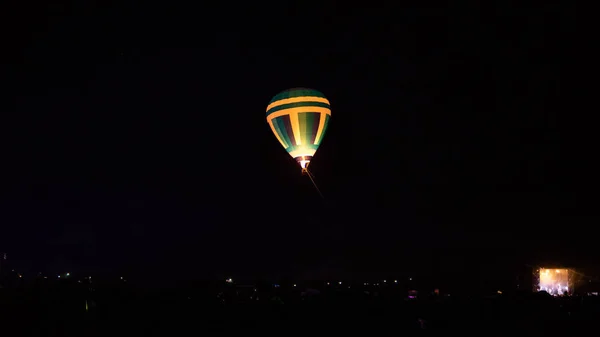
pixel 297 100
pixel 321 127
pixel 296 127
pixel 297 110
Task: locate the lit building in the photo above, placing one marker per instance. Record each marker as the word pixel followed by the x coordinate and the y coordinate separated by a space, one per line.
pixel 555 281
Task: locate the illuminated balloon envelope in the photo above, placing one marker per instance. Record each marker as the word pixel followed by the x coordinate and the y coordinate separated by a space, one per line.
pixel 299 118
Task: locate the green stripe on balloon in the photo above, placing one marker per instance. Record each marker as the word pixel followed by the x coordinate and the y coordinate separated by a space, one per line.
pixel 298 92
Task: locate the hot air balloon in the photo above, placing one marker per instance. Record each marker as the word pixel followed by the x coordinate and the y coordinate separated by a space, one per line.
pixel 299 117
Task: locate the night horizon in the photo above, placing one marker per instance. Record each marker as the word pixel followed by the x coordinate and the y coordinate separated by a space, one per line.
pixel 135 144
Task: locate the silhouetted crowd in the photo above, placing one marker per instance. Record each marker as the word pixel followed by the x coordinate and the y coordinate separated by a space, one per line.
pixel 231 310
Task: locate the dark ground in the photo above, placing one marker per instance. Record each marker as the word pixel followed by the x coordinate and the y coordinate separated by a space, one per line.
pixel 59 311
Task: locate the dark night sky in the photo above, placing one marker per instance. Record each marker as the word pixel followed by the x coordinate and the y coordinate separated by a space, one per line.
pixel 135 139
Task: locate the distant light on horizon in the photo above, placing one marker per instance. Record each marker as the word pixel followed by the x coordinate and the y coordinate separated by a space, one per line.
pixel 556 283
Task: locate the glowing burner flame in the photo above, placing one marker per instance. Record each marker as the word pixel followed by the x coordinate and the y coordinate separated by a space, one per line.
pixel 303 161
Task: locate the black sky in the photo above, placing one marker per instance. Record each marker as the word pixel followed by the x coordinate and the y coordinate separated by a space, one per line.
pixel 135 139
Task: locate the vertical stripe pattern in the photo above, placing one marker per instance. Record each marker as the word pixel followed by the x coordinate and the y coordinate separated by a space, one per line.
pixel 299 118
